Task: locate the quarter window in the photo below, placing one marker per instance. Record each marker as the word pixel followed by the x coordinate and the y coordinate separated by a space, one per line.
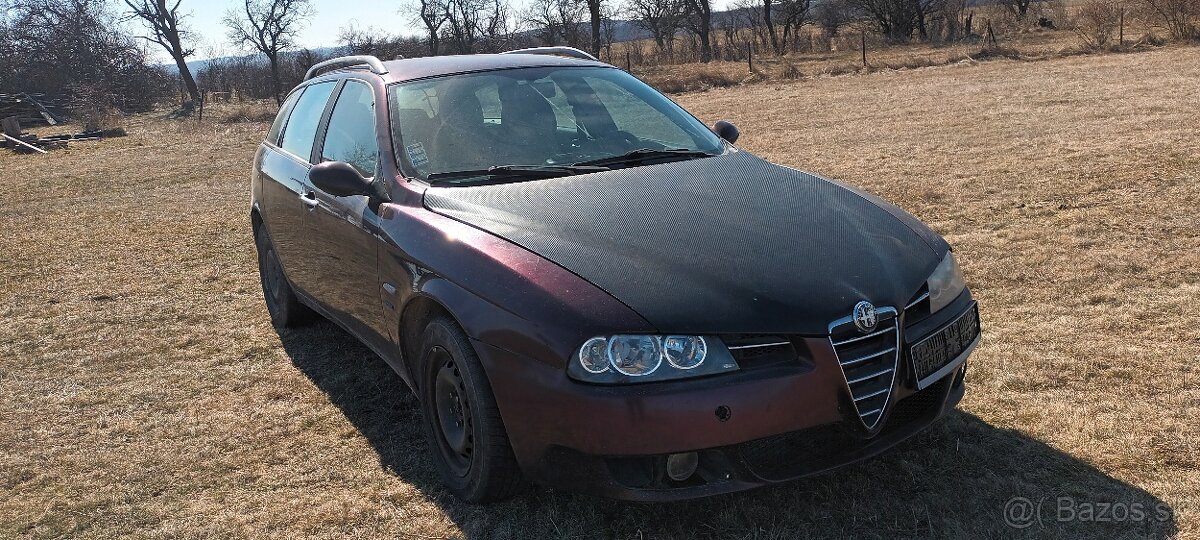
pixel 284 111
pixel 301 130
pixel 351 134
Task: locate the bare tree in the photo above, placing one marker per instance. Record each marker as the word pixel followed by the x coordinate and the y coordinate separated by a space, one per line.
pixel 163 23
pixel 792 16
pixel 542 19
pixel 75 48
pixel 496 27
pixel 832 15
pixel 464 20
pixel 745 15
pixel 1096 21
pixel 1018 8
pixel 432 15
pixel 662 18
pixel 608 28
pixel 556 21
pixel 699 22
pixel 898 20
pixel 270 27
pixel 1181 17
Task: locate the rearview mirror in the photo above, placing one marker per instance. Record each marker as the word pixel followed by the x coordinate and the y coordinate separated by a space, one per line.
pixel 727 131
pixel 339 179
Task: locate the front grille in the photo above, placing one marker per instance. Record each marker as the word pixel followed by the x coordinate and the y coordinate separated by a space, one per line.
pixel 759 350
pixel 869 362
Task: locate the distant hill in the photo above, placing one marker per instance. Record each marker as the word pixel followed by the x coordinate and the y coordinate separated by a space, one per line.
pixel 197 66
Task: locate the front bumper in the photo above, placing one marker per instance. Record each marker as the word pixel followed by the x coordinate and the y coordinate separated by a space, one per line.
pixel 750 428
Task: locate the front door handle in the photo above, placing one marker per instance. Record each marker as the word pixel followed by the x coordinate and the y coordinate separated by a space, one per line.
pixel 309 198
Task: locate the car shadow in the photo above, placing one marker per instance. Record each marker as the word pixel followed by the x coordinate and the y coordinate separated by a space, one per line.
pixel 960 478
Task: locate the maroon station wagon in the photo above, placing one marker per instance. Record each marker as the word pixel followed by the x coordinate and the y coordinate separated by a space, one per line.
pixel 589 288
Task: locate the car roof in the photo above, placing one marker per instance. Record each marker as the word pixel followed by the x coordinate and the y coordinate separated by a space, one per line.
pixel 436 66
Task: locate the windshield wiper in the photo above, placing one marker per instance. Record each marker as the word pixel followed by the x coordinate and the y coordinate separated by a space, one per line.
pixel 644 154
pixel 515 171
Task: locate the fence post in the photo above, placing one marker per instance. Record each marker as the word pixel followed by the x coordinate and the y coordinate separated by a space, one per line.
pixel 750 56
pixel 628 62
pixel 864 48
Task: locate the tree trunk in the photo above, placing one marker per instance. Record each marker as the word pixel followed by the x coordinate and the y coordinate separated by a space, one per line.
pixel 433 42
pixel 771 27
pixel 705 30
pixel 275 84
pixel 921 23
pixel 189 82
pixel 594 11
pixel 185 73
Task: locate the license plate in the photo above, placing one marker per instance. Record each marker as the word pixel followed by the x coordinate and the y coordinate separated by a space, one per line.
pixel 935 352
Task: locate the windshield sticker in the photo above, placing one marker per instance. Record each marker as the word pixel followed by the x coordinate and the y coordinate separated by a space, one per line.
pixel 416 154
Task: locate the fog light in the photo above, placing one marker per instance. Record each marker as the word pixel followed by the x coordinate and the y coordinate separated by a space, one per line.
pixel 680 467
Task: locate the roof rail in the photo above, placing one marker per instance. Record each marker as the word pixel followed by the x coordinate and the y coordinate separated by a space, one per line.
pixel 556 51
pixel 347 61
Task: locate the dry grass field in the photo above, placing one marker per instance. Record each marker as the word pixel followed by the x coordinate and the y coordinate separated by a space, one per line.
pixel 842 54
pixel 143 392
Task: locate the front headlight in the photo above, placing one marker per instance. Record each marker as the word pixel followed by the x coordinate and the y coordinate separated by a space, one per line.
pixel 945 284
pixel 642 358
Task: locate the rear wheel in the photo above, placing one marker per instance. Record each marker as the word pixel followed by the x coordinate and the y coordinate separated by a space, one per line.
pixel 469 443
pixel 285 309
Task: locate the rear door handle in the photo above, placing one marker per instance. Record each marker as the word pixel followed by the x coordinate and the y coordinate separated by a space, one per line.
pixel 309 198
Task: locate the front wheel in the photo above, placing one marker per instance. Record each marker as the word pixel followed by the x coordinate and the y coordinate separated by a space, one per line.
pixel 470 445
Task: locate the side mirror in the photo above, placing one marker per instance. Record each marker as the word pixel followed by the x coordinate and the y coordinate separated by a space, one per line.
pixel 727 131
pixel 339 179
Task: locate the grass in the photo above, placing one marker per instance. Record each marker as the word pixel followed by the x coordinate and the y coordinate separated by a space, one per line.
pixel 143 392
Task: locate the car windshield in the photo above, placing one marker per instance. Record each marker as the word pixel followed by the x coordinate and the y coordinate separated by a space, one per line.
pixel 559 120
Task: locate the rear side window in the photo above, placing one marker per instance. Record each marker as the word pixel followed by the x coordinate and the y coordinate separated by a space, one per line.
pixel 301 129
pixel 351 134
pixel 284 111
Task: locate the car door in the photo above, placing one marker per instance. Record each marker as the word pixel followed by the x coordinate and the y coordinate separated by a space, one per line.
pixel 287 197
pixel 345 226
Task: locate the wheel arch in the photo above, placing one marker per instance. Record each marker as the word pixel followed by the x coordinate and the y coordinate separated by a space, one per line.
pixel 416 315
pixel 256 219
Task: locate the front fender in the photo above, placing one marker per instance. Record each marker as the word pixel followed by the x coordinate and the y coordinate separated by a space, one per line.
pixel 499 293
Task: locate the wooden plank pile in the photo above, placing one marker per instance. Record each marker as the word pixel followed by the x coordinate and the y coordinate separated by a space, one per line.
pixel 29 109
pixel 27 143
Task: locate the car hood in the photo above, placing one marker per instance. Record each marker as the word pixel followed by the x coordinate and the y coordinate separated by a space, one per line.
pixel 727 244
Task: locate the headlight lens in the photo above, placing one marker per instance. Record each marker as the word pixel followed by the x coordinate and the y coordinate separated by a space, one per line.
pixel 635 356
pixel 685 352
pixel 945 284
pixel 593 355
pixel 628 358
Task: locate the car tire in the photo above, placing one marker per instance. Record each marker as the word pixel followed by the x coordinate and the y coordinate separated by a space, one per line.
pixel 466 434
pixel 283 305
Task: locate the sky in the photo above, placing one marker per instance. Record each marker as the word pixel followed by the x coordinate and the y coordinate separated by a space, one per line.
pixel 209 33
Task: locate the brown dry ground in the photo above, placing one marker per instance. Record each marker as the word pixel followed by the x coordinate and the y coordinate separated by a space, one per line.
pixel 144 393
